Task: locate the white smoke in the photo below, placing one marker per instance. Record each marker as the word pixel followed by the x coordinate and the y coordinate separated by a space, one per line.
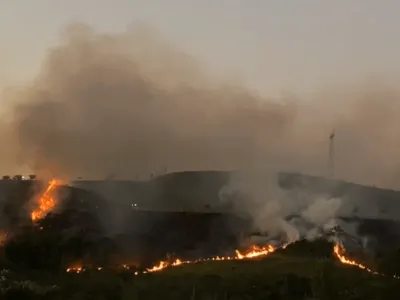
pixel 322 211
pixel 276 213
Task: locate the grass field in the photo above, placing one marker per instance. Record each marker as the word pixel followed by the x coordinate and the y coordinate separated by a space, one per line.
pixel 277 276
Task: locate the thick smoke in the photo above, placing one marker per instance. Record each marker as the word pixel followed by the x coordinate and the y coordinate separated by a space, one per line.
pixel 278 214
pixel 321 211
pixel 132 104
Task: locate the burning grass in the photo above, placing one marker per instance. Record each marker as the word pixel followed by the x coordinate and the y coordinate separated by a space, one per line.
pixel 255 252
pixel 290 277
pixel 275 274
pixel 46 201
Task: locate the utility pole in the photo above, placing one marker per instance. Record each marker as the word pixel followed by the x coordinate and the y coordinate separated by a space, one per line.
pixel 331 163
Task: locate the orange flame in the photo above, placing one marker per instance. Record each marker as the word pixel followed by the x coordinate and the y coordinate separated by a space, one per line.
pixel 46 201
pixel 253 252
pixel 339 252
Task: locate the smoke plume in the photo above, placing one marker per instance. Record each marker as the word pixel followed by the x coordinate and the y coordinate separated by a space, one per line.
pixel 279 214
pixel 131 104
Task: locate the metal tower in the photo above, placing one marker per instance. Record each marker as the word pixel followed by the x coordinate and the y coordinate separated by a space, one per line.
pixel 331 163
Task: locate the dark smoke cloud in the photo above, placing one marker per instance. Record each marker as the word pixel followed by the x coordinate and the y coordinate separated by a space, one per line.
pixel 131 104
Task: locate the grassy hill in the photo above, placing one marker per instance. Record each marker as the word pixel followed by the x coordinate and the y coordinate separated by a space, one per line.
pixel 281 275
pixel 200 191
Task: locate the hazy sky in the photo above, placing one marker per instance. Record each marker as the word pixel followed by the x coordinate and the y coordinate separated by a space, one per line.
pixel 276 46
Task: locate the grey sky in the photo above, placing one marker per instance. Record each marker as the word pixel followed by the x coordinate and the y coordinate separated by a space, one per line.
pixel 275 46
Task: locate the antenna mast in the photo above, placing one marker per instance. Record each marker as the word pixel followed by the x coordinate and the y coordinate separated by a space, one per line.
pixel 331 163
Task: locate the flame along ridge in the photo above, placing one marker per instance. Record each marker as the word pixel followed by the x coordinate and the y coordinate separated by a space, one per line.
pixel 254 252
